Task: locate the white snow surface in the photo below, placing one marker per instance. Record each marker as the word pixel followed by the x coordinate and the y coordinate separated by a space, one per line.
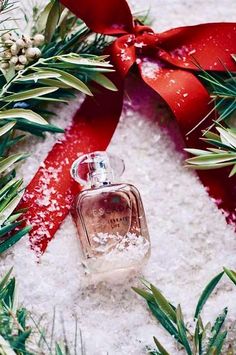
pixel 190 238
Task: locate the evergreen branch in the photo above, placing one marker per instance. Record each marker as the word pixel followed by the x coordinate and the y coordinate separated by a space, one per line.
pixel 205 339
pixel 17 337
pixel 213 158
pixel 45 68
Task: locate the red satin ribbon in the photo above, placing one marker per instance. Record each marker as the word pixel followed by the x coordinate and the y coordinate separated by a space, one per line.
pixel 166 63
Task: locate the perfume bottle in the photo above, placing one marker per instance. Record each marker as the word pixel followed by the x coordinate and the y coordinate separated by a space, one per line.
pixel 109 217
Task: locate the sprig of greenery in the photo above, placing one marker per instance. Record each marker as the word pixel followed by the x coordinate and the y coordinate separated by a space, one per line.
pixel 206 339
pixel 222 88
pixel 213 158
pixel 66 65
pixel 20 334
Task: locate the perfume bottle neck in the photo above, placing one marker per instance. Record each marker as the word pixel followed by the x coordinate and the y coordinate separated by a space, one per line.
pixel 101 178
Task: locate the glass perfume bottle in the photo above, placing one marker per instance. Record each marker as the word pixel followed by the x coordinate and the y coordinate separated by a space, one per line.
pixel 110 217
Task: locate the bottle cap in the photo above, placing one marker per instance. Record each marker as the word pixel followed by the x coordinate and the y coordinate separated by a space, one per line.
pixel 97 168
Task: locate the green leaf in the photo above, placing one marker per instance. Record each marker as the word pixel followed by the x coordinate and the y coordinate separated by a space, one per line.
pixel 18 113
pixel 76 59
pixel 35 77
pixel 212 158
pixel 231 274
pixel 7 211
pixel 217 327
pixel 164 321
pixel 209 166
pixel 233 171
pixel 218 344
pixel 206 293
pixel 163 304
pixel 9 161
pixel 72 81
pixel 182 330
pixel 52 21
pixel 198 336
pixel 102 80
pixel 30 94
pixel 196 151
pixel 14 239
pixel 7 187
pixel 7 228
pixel 5 279
pixel 42 19
pixel 7 127
pixel 57 83
pixel 227 137
pixel 146 295
pixel 58 350
pixel 160 347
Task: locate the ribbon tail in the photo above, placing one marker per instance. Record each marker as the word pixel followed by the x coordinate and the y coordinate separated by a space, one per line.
pixel 189 102
pixel 50 194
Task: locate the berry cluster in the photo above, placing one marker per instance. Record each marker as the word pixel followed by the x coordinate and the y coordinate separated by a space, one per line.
pixel 18 52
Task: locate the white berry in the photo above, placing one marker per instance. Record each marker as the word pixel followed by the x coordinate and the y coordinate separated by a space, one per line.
pixel 32 53
pixel 6 54
pixel 20 43
pixel 23 59
pixel 27 40
pixel 4 65
pixel 6 37
pixel 13 60
pixel 38 40
pixel 14 49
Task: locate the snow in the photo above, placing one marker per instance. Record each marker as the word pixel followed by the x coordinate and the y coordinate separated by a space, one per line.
pixel 190 239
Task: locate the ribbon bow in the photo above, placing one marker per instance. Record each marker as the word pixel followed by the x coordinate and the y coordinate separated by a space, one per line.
pixel 166 63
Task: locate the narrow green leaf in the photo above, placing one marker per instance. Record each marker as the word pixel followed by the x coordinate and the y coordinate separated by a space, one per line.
pixel 164 321
pixel 41 74
pixel 218 344
pixel 18 113
pixel 7 127
pixel 212 158
pixel 11 184
pixel 14 217
pixel 160 347
pixel 206 293
pixel 231 274
pixel 52 82
pixel 29 94
pixel 146 295
pixel 7 228
pixel 182 330
pixel 6 163
pixel 217 327
pixel 196 151
pixel 227 137
pixel 5 279
pixel 102 80
pixel 76 59
pixel 7 211
pixel 42 19
pixel 210 166
pixel 233 171
pixel 58 350
pixel 163 304
pixel 72 81
pixel 14 239
pixel 52 20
